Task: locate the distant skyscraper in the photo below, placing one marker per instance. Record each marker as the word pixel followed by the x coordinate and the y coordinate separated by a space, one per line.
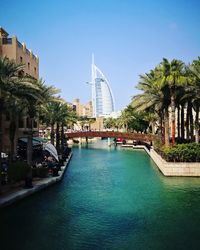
pixel 102 96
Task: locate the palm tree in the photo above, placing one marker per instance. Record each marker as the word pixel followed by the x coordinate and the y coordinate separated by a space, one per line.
pixel 125 118
pixel 192 92
pixel 8 73
pixel 109 122
pixel 61 116
pixel 154 99
pixel 83 120
pixel 57 112
pixel 49 114
pixel 12 84
pixel 152 119
pixel 15 109
pixel 68 117
pixel 50 119
pixel 180 106
pixel 35 102
pixel 173 75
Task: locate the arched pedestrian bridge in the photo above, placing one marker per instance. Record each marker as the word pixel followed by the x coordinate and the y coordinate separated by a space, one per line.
pixel 112 134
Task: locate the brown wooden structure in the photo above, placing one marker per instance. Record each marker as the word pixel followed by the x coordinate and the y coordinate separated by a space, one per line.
pixel 112 134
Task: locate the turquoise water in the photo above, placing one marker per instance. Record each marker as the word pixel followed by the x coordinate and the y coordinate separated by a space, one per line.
pixel 108 199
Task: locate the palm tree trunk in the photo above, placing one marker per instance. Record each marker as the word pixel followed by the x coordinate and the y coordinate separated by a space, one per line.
pixel 191 124
pixel 57 136
pixel 161 131
pixel 162 126
pixel 197 125
pixel 166 127
pixel 62 137
pixel 126 127
pixel 12 138
pixel 52 133
pixel 188 122
pixel 153 128
pixel 182 122
pixel 178 121
pixel 30 142
pixel 173 118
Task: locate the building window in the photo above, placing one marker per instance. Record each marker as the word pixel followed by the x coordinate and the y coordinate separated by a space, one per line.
pixel 35 70
pixel 21 59
pixel 6 40
pixel 21 73
pixel 28 65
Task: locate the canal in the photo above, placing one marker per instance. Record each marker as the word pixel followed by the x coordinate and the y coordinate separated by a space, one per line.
pixel 109 199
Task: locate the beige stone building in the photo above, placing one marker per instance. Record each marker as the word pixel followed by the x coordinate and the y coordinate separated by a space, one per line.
pixel 98 124
pixel 78 107
pixel 83 110
pixel 87 109
pixel 11 48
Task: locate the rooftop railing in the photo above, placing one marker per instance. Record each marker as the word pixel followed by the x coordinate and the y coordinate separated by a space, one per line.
pixel 6 40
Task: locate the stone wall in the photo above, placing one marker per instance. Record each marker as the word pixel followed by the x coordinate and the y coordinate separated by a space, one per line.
pixel 175 168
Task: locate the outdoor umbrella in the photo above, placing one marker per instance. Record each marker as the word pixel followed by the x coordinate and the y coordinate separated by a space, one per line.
pixel 52 150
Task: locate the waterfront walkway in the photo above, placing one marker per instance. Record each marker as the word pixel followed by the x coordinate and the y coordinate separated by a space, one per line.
pixel 19 193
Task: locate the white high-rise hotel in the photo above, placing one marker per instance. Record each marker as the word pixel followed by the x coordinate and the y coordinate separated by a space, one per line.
pixel 102 96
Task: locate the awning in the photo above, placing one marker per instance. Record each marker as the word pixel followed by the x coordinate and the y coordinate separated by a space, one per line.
pixel 52 150
pixel 25 141
pixel 40 139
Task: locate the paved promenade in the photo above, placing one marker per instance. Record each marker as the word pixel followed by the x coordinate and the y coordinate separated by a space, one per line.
pixel 20 193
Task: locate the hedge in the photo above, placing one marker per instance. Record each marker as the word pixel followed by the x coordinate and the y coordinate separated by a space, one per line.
pixel 41 172
pixel 189 152
pixel 18 171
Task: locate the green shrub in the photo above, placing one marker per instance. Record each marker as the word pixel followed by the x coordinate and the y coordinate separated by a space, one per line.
pixel 34 172
pixel 158 143
pixel 18 171
pixel 189 152
pixel 41 172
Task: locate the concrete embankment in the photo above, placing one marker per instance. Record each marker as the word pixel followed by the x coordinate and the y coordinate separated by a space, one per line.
pixel 190 169
pixel 20 193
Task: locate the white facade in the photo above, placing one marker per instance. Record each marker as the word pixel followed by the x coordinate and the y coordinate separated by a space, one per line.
pixel 114 115
pixel 102 96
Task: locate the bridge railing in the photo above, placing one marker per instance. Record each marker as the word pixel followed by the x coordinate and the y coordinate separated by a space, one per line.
pixel 113 134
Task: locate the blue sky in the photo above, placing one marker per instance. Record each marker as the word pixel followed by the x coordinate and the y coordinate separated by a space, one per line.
pixel 128 38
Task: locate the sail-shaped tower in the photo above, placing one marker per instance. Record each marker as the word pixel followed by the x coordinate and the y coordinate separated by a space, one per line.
pixel 102 96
